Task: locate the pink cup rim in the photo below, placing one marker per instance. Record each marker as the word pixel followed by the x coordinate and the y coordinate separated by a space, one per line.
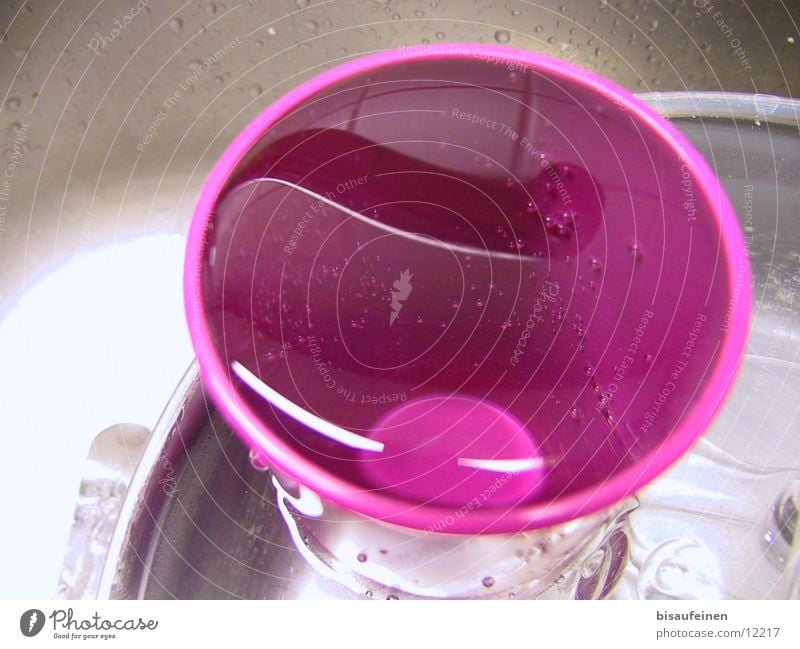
pixel 281 456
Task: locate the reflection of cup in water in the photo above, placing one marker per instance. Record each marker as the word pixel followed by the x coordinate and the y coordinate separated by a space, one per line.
pixel 434 288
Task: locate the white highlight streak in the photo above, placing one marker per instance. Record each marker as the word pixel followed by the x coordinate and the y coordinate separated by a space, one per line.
pixel 503 466
pixel 346 437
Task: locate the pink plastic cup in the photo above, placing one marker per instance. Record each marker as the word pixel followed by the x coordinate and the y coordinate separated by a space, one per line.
pixel 466 289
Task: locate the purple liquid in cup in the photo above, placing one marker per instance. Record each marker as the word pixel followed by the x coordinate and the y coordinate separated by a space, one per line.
pixel 441 285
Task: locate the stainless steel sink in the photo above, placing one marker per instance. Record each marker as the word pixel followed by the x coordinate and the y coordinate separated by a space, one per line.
pixel 113 114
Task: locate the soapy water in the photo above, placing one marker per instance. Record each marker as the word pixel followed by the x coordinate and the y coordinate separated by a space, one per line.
pixel 409 315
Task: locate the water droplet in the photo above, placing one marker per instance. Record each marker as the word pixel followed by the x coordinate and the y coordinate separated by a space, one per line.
pixel 595 264
pixel 480 303
pixel 419 13
pixel 362 557
pixel 488 582
pixel 176 24
pixel 440 35
pixel 576 413
pixel 636 251
pixel 211 8
pixel 259 43
pixel 255 90
pixel 272 31
pixel 419 319
pixel 515 12
pixel 790 40
pixel 608 417
pixel 392 597
pixel 194 65
pixel 588 370
pixel 311 25
pixel 257 462
pixel 218 81
pixel 652 25
pixel 538 29
pixel 456 304
pixel 301 4
pixel 502 36
pixel 552 40
pixel 12 103
pixel 368 594
pixel 648 358
pixel 395 16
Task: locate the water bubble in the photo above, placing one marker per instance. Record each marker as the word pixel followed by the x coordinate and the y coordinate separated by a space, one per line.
pixel 790 40
pixel 311 25
pixel 419 13
pixel 362 557
pixel 576 413
pixel 395 16
pixel 419 319
pixel 588 370
pixel 176 24
pixel 648 358
pixel 440 35
pixel 272 31
pixel 255 90
pixel 368 594
pixel 392 597
pixel 558 224
pixel 652 25
pixel 488 581
pixel 538 29
pixel 515 12
pixel 595 264
pixel 502 36
pixel 480 303
pixel 552 40
pixel 211 8
pixel 608 417
pixel 456 304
